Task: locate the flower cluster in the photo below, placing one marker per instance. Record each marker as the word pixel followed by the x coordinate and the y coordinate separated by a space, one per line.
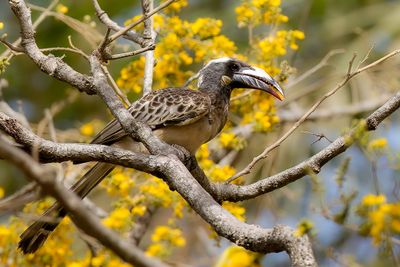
pixel 381 219
pixel 164 238
pixel 377 144
pixel 235 256
pixel 60 8
pixel 182 46
pixel 305 226
pixel 255 12
pixel 181 43
pixel 55 252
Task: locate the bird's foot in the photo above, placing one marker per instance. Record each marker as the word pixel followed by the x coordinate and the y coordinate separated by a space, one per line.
pixel 184 155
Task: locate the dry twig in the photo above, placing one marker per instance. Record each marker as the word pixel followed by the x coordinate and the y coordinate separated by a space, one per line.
pixel 349 75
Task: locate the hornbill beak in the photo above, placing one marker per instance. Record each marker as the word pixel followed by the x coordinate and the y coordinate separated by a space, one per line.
pixel 256 78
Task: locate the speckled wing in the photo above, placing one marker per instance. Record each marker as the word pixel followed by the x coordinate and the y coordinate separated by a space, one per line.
pixel 161 108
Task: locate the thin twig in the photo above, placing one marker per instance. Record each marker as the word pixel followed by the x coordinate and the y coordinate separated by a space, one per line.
pixel 11 46
pixel 114 85
pixel 324 62
pixel 150 35
pixel 35 24
pixel 349 75
pixel 348 110
pixel 130 53
pixel 105 19
pixel 365 57
pixel 140 20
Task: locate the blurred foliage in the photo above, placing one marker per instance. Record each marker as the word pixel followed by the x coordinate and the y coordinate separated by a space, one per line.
pixel 282 38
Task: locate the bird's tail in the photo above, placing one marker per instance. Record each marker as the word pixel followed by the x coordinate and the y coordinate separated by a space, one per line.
pixel 36 234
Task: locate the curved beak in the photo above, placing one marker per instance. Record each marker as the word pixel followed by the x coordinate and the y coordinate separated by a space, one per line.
pixel 256 78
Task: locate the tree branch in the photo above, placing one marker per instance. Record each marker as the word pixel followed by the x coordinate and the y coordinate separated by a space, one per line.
pixel 350 74
pixel 178 177
pixel 150 35
pixel 51 65
pixel 238 193
pixel 81 216
pixel 105 19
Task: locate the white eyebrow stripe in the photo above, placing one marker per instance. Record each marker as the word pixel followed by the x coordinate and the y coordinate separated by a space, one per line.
pixel 218 60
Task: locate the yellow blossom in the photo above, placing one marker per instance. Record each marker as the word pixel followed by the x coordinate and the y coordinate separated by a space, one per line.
pixel 164 239
pixel 304 227
pixel 235 256
pixel 139 210
pixel 376 144
pixel 395 225
pixel 372 200
pixel 226 139
pixel 4 231
pixel 236 209
pixel 87 129
pixel 221 173
pixel 62 9
pixel 1 25
pixel 158 192
pixel 1 192
pixel 118 218
pixel 155 249
pixel 177 5
pixel 97 261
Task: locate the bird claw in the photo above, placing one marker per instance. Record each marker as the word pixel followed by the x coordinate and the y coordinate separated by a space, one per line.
pixel 183 155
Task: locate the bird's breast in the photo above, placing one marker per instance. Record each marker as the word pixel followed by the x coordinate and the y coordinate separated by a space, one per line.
pixel 190 136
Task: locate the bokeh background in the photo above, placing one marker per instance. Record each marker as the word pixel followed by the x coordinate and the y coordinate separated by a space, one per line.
pixel 338 27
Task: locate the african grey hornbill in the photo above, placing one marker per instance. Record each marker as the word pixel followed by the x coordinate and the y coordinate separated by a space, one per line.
pixel 179 116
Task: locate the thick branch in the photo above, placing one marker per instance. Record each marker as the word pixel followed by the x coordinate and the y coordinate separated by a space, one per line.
pixel 238 193
pixel 51 65
pixel 149 33
pixel 81 216
pixel 104 18
pixel 178 177
pixel 350 74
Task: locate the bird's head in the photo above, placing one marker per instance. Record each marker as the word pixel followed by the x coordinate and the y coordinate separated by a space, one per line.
pixel 232 73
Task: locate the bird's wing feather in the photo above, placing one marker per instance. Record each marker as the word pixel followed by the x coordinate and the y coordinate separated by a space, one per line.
pixel 161 108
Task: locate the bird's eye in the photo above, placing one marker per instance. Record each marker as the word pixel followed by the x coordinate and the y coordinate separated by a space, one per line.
pixel 235 67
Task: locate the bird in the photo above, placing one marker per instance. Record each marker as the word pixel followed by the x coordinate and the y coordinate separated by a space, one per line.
pixel 178 116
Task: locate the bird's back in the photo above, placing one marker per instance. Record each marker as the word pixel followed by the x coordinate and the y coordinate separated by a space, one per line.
pixel 176 115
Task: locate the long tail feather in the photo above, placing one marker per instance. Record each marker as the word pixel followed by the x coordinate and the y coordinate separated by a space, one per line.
pixel 36 234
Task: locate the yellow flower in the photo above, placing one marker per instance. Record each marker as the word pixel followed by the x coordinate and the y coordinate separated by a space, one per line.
pixel 4 231
pixel 176 6
pixel 304 227
pixel 1 25
pixel 226 139
pixel 155 249
pixel 139 210
pixel 221 173
pixel 235 256
pixel 236 209
pixel 372 200
pixel 87 129
pixel 97 261
pixel 376 144
pixel 61 9
pixel 275 3
pixel 396 226
pixel 1 192
pixel 75 264
pixel 118 218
